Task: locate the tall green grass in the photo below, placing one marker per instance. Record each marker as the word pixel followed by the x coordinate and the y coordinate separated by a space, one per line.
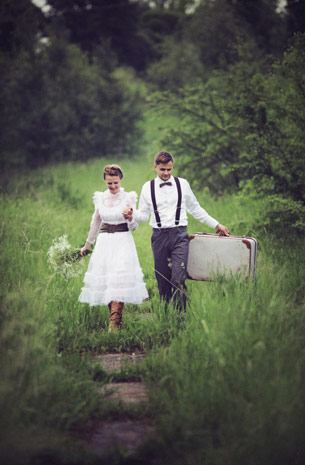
pixel 230 389
pixel 226 379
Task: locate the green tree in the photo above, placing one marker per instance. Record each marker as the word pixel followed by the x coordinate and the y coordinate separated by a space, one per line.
pixel 214 29
pixel 216 26
pixel 276 147
pixel 20 23
pixel 57 106
pixel 295 16
pixel 180 65
pixel 262 22
pixel 244 131
pixel 207 135
pixel 90 22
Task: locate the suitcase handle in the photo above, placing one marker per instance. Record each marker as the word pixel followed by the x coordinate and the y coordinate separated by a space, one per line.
pixel 217 235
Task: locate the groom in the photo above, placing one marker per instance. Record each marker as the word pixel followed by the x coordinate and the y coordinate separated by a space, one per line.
pixel 167 199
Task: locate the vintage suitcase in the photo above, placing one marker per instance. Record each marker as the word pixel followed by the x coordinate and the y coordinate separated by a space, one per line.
pixel 211 255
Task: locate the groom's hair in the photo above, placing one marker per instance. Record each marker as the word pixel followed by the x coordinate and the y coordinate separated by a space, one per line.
pixel 163 157
pixel 112 170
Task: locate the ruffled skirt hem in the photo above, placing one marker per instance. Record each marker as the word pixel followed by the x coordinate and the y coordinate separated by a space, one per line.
pixel 94 297
pixel 114 272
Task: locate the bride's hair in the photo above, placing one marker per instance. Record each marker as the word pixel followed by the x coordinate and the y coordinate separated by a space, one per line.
pixel 112 170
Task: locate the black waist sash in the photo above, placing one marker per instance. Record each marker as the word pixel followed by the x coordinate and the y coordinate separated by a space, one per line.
pixel 113 228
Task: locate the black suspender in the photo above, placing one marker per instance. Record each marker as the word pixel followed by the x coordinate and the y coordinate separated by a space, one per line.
pixel 178 210
pixel 154 203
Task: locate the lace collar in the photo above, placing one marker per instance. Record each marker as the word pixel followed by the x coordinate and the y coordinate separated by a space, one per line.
pixel 113 200
pixel 108 195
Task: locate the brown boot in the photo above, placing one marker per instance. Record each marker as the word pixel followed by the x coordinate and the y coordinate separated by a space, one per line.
pixel 115 316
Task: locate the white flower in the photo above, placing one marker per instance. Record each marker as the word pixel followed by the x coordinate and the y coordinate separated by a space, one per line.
pixel 64 259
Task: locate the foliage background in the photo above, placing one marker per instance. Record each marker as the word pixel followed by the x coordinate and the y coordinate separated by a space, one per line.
pixel 77 79
pixel 220 84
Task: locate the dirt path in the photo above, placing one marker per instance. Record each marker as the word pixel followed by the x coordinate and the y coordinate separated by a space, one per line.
pixel 114 362
pixel 128 434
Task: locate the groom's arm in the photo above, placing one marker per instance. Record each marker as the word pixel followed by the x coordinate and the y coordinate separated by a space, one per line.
pixel 142 214
pixel 200 213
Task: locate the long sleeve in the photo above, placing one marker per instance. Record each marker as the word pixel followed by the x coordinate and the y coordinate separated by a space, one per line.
pixel 94 226
pixel 194 208
pixel 132 196
pixel 142 214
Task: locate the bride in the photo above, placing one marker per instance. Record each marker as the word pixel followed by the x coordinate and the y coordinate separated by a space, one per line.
pixel 114 275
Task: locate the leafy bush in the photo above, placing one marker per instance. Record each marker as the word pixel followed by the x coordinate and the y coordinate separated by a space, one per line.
pixel 56 106
pixel 179 66
pixel 243 125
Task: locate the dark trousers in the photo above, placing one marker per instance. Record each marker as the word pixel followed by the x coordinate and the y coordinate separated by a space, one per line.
pixel 170 250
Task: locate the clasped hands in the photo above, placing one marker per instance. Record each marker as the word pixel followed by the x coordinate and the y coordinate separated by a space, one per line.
pixel 127 213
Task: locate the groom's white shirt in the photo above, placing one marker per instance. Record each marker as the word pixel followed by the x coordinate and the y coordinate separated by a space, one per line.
pixel 166 199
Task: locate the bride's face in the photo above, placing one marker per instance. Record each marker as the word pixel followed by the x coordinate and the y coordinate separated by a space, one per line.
pixel 113 183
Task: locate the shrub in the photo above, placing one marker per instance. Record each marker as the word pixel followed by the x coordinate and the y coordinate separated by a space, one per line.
pixel 57 106
pixel 244 125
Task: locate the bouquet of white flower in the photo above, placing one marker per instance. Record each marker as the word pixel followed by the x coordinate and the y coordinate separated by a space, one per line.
pixel 64 259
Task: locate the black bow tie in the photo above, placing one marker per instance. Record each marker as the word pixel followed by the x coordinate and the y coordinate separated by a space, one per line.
pixel 165 184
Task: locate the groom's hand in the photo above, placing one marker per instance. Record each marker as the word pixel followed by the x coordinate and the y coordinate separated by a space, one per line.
pixel 222 230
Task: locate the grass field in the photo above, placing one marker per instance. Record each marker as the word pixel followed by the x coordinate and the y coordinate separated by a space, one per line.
pixel 226 380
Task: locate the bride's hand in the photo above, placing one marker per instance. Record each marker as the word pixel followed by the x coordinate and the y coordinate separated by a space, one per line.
pixel 83 249
pixel 127 213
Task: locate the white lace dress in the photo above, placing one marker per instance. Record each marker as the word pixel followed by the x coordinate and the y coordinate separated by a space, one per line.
pixel 114 272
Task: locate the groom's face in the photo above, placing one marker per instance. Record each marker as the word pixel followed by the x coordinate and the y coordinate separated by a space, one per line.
pixel 164 170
